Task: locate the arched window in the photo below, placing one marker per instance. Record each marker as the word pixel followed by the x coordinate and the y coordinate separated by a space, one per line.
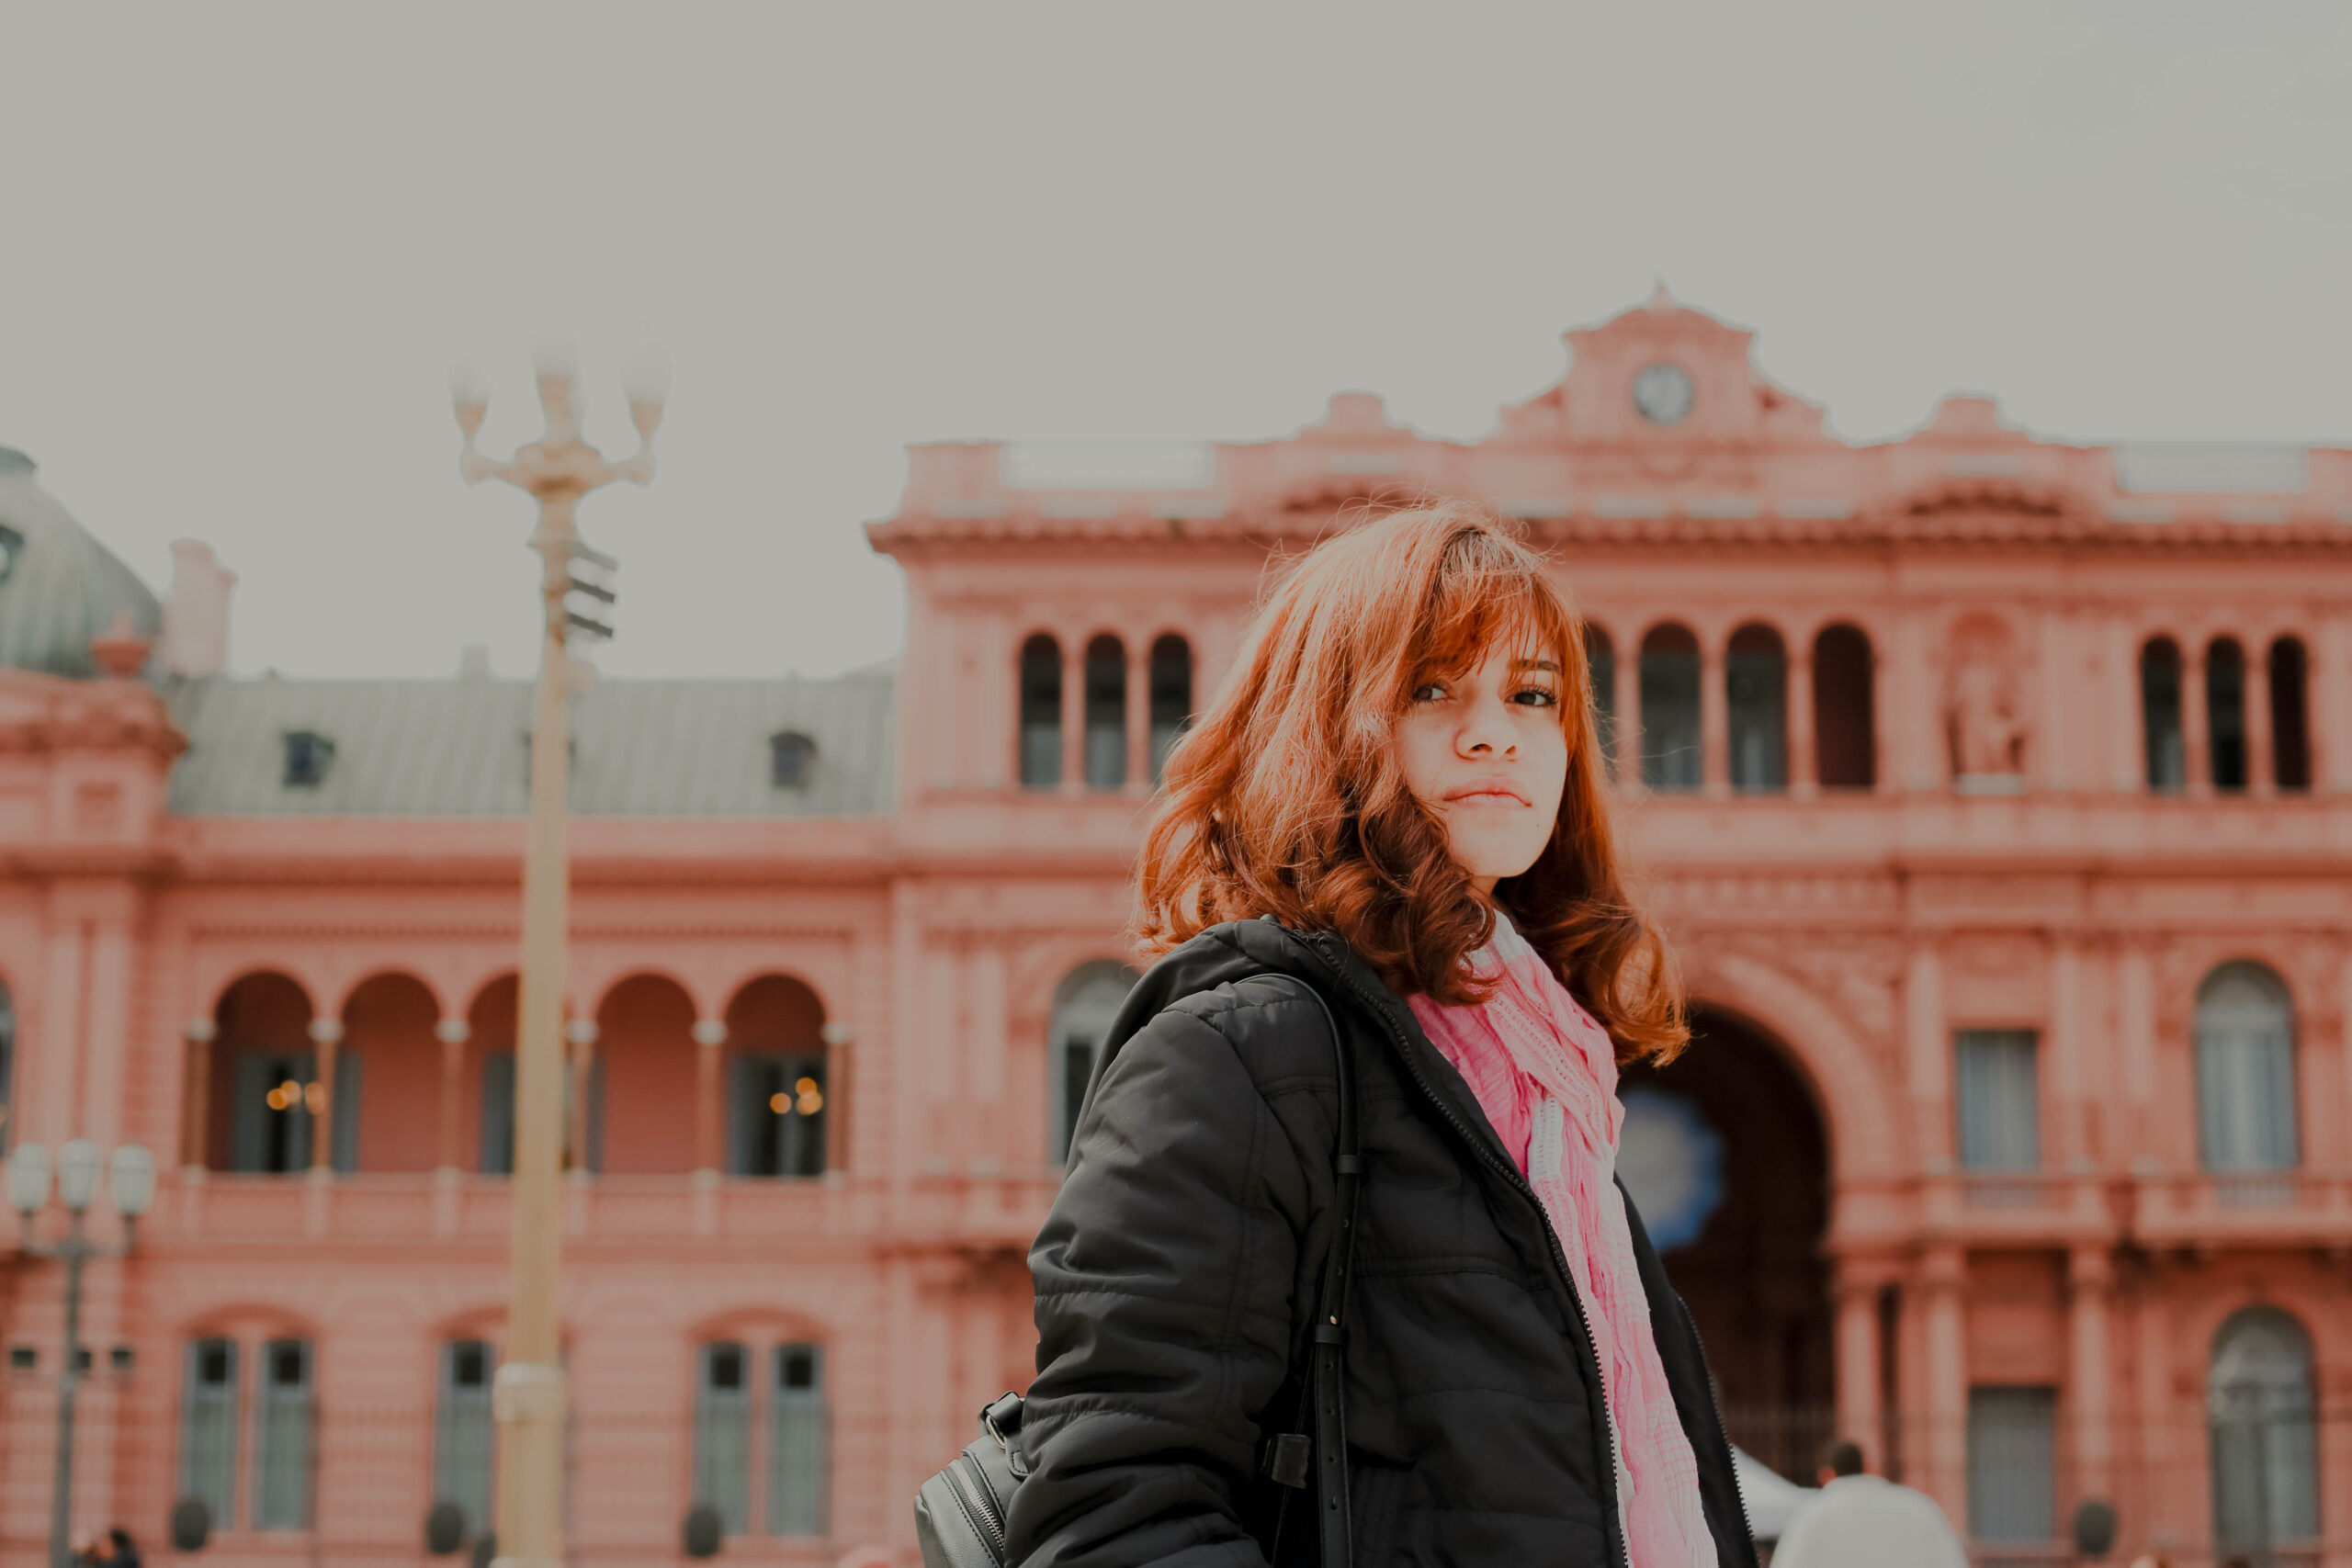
pixel 1041 713
pixel 1756 691
pixel 1083 1007
pixel 778 1081
pixel 2245 1070
pixel 2225 713
pixel 1106 714
pixel 2265 1448
pixel 464 1435
pixel 1600 670
pixel 1671 753
pixel 2166 751
pixel 261 1083
pixel 1171 696
pixel 1845 744
pixel 2290 734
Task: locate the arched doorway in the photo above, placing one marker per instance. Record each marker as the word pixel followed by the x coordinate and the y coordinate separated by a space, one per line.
pixel 1728 1161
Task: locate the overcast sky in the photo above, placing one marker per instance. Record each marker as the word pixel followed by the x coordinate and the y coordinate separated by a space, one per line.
pixel 239 248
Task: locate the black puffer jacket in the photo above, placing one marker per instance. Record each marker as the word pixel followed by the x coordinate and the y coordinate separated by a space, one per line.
pixel 1178 1268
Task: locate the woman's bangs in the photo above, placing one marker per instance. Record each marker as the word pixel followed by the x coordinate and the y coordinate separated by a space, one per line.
pixel 1474 611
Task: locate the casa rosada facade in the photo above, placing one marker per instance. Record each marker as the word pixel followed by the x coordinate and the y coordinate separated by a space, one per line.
pixel 1996 794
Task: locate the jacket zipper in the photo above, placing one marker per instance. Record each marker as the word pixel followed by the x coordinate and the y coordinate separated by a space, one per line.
pixel 1519 1183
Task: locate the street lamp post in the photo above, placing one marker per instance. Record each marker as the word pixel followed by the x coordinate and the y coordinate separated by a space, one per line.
pixel 77 1180
pixel 558 470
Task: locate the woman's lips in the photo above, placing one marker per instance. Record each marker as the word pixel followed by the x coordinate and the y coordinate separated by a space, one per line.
pixel 1487 795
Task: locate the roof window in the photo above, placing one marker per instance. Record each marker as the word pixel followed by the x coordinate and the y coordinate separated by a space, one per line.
pixel 309 755
pixel 792 757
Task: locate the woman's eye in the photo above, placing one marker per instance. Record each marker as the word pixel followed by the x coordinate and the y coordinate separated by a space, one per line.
pixel 1428 692
pixel 1536 696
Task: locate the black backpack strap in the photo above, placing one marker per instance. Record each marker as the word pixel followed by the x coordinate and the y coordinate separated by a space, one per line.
pixel 1326 1409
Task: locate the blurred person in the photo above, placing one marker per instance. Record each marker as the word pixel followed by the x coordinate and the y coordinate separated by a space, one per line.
pixel 1398 798
pixel 121 1552
pixel 1862 1520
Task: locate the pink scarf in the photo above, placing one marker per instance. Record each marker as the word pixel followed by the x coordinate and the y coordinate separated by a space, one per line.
pixel 1545 1074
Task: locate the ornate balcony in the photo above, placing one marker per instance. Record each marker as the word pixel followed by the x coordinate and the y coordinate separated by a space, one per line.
pixel 991 1211
pixel 2207 1209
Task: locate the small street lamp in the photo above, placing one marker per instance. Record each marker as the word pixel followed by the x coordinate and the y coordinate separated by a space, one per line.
pixel 575 600
pixel 77 1182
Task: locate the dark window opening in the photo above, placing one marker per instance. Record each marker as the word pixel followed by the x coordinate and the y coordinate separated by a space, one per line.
pixel 2225 714
pixel 1106 714
pixel 308 756
pixel 1756 691
pixel 1845 746
pixel 2166 748
pixel 1601 672
pixel 1041 713
pixel 779 1114
pixel 1669 679
pixel 792 757
pixel 2290 736
pixel 1171 697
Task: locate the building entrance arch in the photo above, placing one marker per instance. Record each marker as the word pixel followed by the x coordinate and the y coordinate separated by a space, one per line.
pixel 1726 1155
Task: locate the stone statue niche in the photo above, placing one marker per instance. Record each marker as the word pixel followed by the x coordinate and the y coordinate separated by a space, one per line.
pixel 1984 722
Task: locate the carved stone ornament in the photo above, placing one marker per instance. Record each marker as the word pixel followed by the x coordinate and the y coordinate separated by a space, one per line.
pixel 1984 720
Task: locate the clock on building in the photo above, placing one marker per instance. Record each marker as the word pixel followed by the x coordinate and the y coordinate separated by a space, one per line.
pixel 1662 393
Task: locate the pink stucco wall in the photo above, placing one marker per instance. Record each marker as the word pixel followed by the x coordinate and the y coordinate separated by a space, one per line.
pixel 922 949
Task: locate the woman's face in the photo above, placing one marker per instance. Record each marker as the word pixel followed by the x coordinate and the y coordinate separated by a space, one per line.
pixel 1486 752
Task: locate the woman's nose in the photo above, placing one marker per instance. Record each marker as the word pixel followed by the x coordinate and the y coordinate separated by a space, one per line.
pixel 1486 728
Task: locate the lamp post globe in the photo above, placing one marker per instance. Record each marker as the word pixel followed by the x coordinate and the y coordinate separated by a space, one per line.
pixel 28 1178
pixel 77 1173
pixel 133 1180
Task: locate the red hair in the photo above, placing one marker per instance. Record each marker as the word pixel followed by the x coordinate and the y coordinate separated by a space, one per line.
pixel 1286 798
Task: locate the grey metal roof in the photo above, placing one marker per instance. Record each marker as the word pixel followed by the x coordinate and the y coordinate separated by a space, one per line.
pixel 59 587
pixel 460 747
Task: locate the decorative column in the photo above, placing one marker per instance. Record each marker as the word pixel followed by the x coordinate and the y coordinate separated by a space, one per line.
pixel 195 1118
pixel 2056 733
pixel 580 1032
pixel 710 1039
pixel 326 1036
pixel 1715 722
pixel 2196 731
pixel 2168 1506
pixel 2127 772
pixel 2091 1276
pixel 1859 1416
pixel 1943 1278
pixel 1803 777
pixel 1074 717
pixel 1139 720
pixel 453 1033
pixel 2068 1147
pixel 2261 775
pixel 1928 1059
pixel 1908 711
pixel 1627 677
pixel 2328 694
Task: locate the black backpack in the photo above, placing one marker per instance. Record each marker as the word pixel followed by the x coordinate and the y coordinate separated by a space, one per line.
pixel 960 1513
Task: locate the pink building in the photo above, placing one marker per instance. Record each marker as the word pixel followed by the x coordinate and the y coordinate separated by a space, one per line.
pixel 1998 793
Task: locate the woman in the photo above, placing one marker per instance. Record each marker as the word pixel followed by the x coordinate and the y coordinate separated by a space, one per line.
pixel 1399 799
